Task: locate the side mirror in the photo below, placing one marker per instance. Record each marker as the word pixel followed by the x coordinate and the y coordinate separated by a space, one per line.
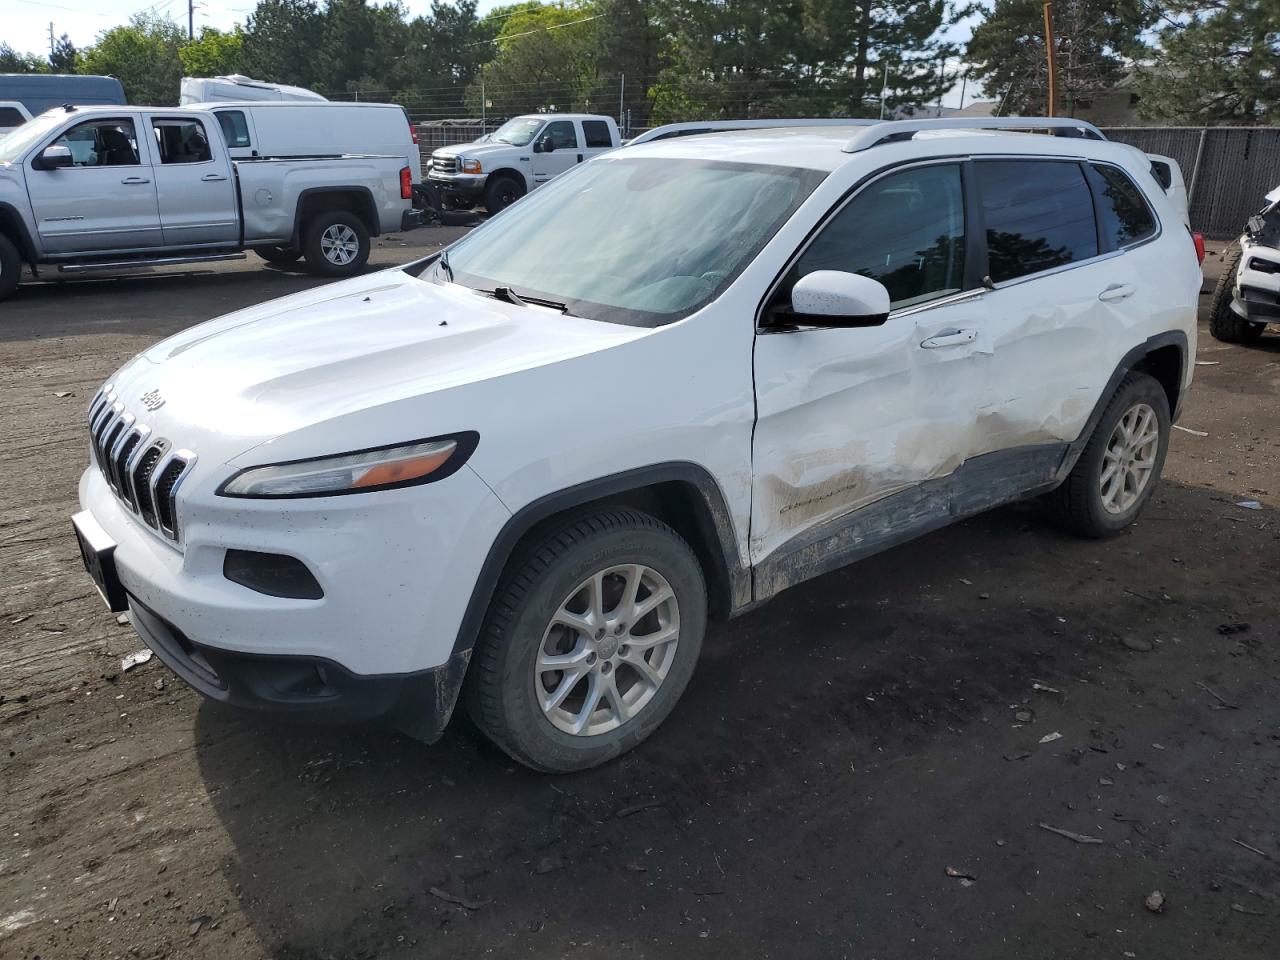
pixel 54 157
pixel 545 145
pixel 833 298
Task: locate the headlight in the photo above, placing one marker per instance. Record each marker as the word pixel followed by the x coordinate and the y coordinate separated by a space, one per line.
pixel 380 468
pixel 470 166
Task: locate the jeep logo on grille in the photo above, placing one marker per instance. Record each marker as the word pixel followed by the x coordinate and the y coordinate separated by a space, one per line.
pixel 152 400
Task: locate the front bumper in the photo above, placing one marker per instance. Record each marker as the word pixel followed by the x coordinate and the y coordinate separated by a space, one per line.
pixel 468 186
pixel 306 688
pixel 1257 291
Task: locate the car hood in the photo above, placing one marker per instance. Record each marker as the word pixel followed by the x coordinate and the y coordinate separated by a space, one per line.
pixel 275 368
pixel 479 148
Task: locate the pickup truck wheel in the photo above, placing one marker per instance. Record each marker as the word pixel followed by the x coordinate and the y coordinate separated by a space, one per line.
pixel 10 267
pixel 590 640
pixel 336 244
pixel 278 254
pixel 1224 323
pixel 1121 464
pixel 502 192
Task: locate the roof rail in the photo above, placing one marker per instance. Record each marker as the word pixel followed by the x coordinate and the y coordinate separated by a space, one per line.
pixel 692 127
pixel 895 129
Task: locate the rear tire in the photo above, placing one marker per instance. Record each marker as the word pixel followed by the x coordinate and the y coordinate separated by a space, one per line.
pixel 501 192
pixel 278 254
pixel 1118 469
pixel 10 267
pixel 1224 323
pixel 336 244
pixel 567 633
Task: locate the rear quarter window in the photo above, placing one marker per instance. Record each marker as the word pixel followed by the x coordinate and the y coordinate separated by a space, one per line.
pixel 1126 218
pixel 11 117
pixel 234 128
pixel 596 133
pixel 1038 215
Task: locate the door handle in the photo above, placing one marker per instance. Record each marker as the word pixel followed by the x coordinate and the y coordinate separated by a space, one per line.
pixel 1117 292
pixel 212 177
pixel 135 180
pixel 949 338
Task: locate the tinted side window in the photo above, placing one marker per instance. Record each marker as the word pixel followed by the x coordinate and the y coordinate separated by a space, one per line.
pixel 182 141
pixel 1039 215
pixel 1164 176
pixel 596 133
pixel 1126 218
pixel 12 117
pixel 234 128
pixel 905 230
pixel 562 135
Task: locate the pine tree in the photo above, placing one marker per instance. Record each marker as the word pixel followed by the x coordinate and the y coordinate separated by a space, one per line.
pixel 62 59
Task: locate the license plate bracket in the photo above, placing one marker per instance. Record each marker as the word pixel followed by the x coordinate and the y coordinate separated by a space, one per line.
pixel 98 550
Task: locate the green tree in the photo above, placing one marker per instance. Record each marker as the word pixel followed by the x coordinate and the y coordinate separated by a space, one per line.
pixel 144 56
pixel 63 58
pixel 1216 61
pixel 11 61
pixel 1093 38
pixel 546 57
pixel 213 53
pixel 281 40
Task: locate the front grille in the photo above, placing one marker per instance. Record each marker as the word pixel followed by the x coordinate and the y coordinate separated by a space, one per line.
pixel 442 163
pixel 143 471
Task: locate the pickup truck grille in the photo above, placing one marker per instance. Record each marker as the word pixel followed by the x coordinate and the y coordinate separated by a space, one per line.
pixel 444 164
pixel 143 471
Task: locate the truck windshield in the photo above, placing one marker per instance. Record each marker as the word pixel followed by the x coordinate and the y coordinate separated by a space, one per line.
pixel 20 139
pixel 517 132
pixel 638 241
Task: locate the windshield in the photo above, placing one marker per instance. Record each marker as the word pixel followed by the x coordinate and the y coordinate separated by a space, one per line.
pixel 20 139
pixel 639 241
pixel 517 132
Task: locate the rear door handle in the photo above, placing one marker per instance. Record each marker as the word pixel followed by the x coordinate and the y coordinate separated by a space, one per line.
pixel 1116 292
pixel 211 177
pixel 135 180
pixel 950 338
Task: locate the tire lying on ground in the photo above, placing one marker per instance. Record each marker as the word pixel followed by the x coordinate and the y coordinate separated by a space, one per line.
pixel 1224 323
pixel 336 244
pixel 278 254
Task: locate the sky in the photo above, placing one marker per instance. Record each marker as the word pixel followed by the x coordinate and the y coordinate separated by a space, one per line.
pixel 26 22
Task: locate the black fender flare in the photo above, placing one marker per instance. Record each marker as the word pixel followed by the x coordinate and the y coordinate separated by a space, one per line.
pixel 1129 362
pixel 714 518
pixel 15 228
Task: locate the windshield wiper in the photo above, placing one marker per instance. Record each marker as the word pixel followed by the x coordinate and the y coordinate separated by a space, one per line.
pixel 444 263
pixel 507 295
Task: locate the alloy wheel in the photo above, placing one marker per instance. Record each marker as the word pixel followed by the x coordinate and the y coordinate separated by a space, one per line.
pixel 1130 458
pixel 339 244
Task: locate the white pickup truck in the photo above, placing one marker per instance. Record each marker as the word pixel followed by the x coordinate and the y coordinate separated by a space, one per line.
pixel 110 188
pixel 524 153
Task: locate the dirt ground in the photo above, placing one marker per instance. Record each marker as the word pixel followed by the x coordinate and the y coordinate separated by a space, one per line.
pixel 841 755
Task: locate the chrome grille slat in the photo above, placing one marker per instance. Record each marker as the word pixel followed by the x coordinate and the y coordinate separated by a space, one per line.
pixel 143 471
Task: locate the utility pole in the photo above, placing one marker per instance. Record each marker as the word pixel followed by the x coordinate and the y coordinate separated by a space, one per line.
pixel 622 98
pixel 484 116
pixel 191 19
pixel 884 87
pixel 1051 56
pixel 964 82
pixel 50 39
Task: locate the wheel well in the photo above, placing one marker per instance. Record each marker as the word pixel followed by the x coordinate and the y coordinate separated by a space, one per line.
pixel 512 175
pixel 353 201
pixel 682 507
pixel 12 228
pixel 1165 364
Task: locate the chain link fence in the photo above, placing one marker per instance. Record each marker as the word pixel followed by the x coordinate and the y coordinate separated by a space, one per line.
pixel 1227 169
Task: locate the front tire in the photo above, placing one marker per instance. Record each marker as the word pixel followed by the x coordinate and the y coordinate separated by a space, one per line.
pixel 590 640
pixel 336 244
pixel 1120 465
pixel 1224 323
pixel 10 267
pixel 501 192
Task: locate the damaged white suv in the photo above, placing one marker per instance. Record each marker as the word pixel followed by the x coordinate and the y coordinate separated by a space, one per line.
pixel 670 384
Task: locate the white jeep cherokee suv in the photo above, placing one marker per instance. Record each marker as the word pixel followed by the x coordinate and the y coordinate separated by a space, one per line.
pixel 672 383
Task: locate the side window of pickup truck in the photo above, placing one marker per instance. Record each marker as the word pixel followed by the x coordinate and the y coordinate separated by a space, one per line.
pixel 182 141
pixel 596 133
pixel 562 134
pixel 235 130
pixel 101 143
pixel 905 230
